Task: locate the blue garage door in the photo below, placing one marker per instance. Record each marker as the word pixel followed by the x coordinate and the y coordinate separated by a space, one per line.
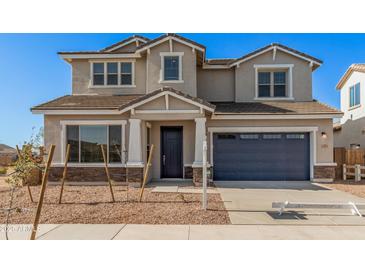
pixel 261 156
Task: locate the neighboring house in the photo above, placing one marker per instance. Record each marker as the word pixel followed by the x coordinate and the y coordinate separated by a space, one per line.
pixel 257 112
pixel 350 131
pixel 7 155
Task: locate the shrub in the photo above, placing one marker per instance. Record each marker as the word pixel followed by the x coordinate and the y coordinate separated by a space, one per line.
pixel 3 170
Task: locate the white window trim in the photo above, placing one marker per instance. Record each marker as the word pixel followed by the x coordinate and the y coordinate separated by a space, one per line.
pixel 91 82
pixel 63 138
pixel 289 67
pixel 312 130
pixel 359 104
pixel 162 71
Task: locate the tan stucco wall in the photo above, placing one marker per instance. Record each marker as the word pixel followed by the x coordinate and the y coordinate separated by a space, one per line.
pixel 173 104
pixel 216 85
pixel 352 132
pixel 324 146
pixel 188 68
pixel 302 76
pixel 188 143
pixel 81 79
pixel 52 129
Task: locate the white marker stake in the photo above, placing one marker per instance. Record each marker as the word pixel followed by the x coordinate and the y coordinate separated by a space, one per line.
pixel 205 173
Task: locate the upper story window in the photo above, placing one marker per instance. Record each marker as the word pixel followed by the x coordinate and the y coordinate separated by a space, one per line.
pixel 273 81
pixel 171 67
pixel 355 95
pixel 112 74
pixel 272 84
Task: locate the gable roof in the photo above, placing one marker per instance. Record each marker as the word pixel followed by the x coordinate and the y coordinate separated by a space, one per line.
pixel 347 74
pixel 276 46
pixel 126 42
pixel 166 37
pixel 169 90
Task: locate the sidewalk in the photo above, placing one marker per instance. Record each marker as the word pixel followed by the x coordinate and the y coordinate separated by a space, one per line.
pixel 185 232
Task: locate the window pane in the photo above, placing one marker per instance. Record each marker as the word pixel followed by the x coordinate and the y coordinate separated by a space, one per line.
pixel 126 79
pixel 91 138
pixel 249 136
pixel 352 101
pixel 113 79
pixel 171 64
pixel 264 78
pixel 72 133
pixel 115 144
pixel 279 77
pixel 98 68
pixel 98 79
pixel 112 67
pixel 295 136
pixel 226 136
pixel 271 136
pixel 279 91
pixel 264 91
pixel 357 94
pixel 126 67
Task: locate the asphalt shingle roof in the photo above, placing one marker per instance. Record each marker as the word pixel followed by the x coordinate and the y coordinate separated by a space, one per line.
pixel 277 107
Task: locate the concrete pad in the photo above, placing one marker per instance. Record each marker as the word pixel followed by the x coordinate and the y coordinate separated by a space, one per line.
pixel 196 190
pixel 351 232
pixel 153 232
pixel 83 232
pixel 23 231
pixel 166 189
pixel 251 203
pixel 224 232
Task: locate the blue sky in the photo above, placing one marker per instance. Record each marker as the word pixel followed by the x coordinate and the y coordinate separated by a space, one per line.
pixel 32 73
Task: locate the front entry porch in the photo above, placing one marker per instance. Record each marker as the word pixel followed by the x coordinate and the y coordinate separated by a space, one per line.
pixel 176 125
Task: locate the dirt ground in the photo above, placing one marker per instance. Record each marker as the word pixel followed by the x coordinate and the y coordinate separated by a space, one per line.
pixel 92 205
pixel 357 189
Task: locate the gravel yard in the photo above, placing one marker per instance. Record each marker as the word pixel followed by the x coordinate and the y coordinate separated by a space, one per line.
pixel 357 189
pixel 92 205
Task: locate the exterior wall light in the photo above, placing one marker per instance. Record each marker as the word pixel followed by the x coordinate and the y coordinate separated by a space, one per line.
pixel 324 135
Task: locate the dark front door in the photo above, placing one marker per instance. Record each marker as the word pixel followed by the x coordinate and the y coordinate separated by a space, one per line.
pixel 171 152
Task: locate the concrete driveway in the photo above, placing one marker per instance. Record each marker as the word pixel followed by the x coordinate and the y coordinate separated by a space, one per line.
pixel 251 203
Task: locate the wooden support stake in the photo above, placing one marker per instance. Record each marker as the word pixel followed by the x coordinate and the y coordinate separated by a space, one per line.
pixel 28 187
pixel 41 195
pixel 107 172
pixel 146 173
pixel 64 173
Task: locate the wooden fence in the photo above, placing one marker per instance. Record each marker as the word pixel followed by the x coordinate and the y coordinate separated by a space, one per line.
pixel 349 157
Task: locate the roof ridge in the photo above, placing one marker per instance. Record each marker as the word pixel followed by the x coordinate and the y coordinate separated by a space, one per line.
pixel 134 36
pixel 282 46
pixel 170 35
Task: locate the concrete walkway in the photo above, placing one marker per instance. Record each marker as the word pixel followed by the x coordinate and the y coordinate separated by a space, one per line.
pixel 185 232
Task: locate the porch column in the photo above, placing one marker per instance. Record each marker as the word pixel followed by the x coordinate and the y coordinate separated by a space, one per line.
pixel 200 135
pixel 135 144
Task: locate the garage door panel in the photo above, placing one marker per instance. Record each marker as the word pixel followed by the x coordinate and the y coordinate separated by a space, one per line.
pixel 261 156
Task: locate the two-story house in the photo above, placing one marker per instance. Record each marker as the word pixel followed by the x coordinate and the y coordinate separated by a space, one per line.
pixel 350 131
pixel 256 112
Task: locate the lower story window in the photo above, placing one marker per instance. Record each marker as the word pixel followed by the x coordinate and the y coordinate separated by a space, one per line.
pixel 85 141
